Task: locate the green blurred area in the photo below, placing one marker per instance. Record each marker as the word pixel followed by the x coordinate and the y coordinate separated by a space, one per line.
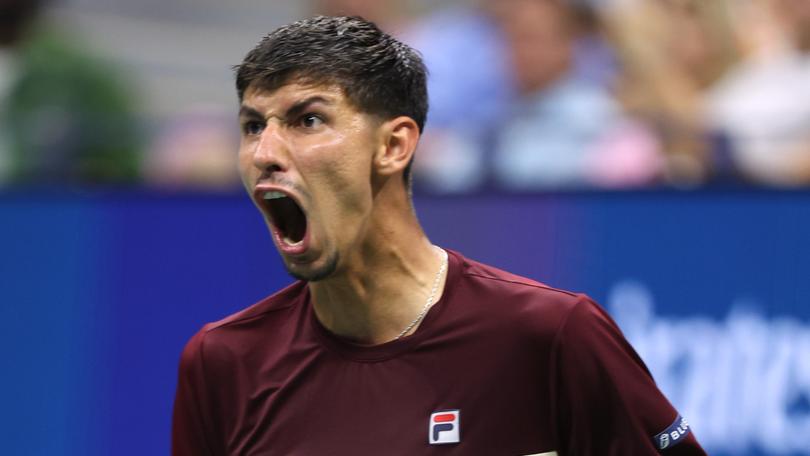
pixel 68 116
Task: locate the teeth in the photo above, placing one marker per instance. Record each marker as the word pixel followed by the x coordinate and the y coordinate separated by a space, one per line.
pixel 273 195
pixel 289 241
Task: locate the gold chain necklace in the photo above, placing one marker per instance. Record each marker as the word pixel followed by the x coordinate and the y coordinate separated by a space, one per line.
pixel 429 299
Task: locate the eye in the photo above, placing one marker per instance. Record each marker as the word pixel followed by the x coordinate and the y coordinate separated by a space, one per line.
pixel 310 121
pixel 252 127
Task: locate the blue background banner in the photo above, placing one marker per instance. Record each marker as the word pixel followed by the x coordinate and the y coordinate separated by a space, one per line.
pixel 100 291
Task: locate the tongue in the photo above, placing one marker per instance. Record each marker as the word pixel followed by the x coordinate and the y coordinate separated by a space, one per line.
pixel 289 218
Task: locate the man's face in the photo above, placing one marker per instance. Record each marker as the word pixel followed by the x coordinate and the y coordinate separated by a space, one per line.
pixel 539 40
pixel 306 161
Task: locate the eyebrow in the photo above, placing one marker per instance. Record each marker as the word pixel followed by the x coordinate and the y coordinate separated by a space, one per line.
pixel 247 111
pixel 293 111
pixel 299 107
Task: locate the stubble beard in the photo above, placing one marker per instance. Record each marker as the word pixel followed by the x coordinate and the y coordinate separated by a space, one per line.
pixel 315 275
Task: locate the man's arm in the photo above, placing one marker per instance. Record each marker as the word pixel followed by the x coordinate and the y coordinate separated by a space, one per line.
pixel 605 399
pixel 190 433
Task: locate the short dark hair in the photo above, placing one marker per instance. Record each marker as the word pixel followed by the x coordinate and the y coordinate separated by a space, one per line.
pixel 379 75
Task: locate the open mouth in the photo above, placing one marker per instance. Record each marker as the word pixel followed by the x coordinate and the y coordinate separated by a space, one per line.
pixel 287 216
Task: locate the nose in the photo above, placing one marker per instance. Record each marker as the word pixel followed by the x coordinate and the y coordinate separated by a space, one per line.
pixel 272 151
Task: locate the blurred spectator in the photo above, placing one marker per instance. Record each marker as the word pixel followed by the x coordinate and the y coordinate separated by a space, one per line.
pixel 594 56
pixel 764 103
pixel 672 52
pixel 566 130
pixel 470 89
pixel 195 151
pixel 63 117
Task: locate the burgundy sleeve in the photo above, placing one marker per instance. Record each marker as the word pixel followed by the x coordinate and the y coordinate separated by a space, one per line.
pixel 191 435
pixel 605 399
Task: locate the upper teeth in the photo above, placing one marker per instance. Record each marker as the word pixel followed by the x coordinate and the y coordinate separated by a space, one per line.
pixel 274 195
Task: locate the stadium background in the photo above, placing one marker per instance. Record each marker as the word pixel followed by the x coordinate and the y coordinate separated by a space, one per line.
pixel 102 284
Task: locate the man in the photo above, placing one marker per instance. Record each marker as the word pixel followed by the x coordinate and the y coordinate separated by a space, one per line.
pixel 389 345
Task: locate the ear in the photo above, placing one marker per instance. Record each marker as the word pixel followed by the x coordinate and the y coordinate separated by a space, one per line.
pixel 399 138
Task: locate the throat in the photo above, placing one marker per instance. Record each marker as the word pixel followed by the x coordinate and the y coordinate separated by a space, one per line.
pixel 380 304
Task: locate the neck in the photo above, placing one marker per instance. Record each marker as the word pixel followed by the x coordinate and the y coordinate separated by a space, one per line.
pixel 384 283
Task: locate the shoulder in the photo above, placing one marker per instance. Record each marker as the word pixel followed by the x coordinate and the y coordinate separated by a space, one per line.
pixel 480 271
pixel 266 319
pixel 266 308
pixel 515 301
pixel 497 283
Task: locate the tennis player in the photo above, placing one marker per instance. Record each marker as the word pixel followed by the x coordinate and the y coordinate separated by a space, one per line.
pixel 388 344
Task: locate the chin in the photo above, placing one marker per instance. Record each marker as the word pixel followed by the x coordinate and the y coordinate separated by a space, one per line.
pixel 311 272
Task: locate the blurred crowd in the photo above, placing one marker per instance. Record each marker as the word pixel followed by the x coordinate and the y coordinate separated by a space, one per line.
pixel 526 95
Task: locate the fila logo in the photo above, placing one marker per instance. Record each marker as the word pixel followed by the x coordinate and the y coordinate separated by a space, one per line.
pixel 444 427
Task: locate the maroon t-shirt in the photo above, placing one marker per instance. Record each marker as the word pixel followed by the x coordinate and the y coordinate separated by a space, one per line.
pixel 501 365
